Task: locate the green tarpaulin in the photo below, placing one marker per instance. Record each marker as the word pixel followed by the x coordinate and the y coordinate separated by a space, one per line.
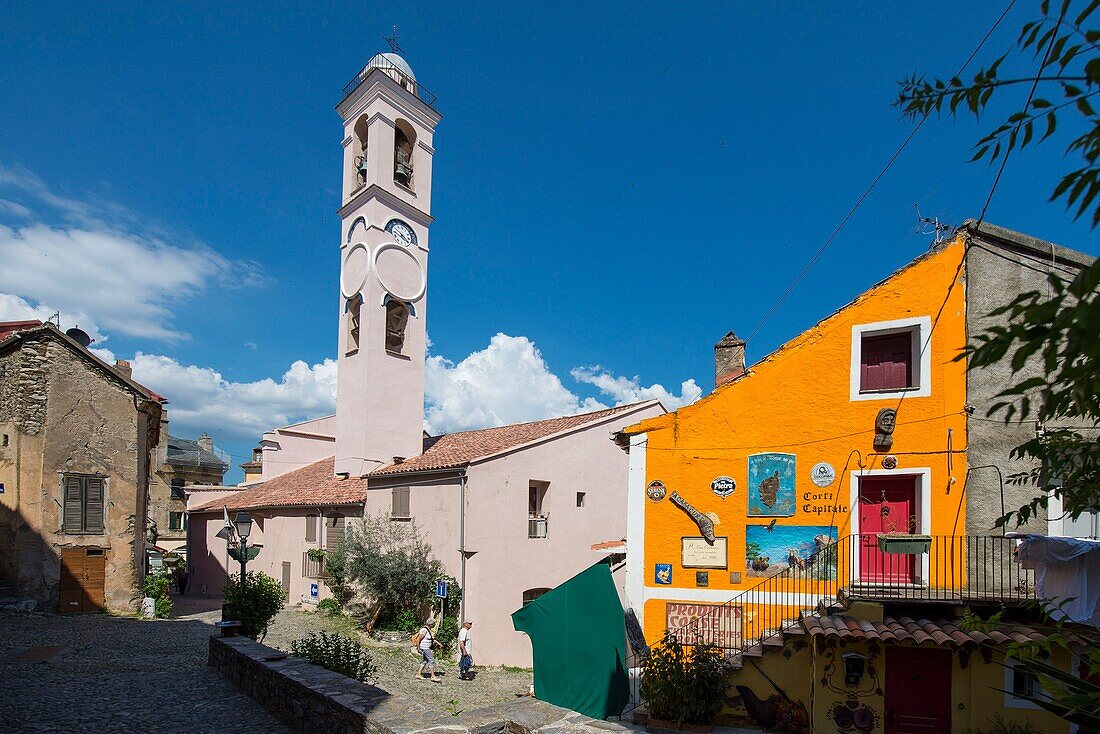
pixel 579 644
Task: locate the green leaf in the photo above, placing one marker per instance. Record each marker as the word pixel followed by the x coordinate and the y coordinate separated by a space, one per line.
pixel 1052 123
pixel 1084 107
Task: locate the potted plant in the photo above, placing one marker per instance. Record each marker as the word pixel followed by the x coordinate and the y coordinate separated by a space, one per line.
pixel 316 554
pixel 906 542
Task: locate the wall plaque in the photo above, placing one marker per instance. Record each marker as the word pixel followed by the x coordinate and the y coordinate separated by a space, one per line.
pixel 698 553
pixel 723 486
pixel 702 578
pixel 656 490
pixel 662 573
pixel 823 474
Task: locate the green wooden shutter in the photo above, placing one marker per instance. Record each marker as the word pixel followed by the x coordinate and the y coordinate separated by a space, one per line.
pixel 73 510
pixel 93 505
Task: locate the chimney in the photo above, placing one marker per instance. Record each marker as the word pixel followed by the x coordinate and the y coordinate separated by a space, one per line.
pixel 205 442
pixel 123 368
pixel 729 359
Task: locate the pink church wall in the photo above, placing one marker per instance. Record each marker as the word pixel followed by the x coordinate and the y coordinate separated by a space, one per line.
pixel 292 447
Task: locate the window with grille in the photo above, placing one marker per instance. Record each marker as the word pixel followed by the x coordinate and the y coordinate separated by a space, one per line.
pixel 83 504
pixel 531 594
pixel 400 508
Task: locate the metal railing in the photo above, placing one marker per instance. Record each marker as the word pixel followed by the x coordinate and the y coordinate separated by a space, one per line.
pixel 951 569
pixel 625 700
pixel 313 568
pixel 536 526
pixel 393 72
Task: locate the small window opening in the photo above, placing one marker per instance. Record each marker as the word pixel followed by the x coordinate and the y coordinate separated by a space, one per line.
pixel 886 362
pixel 177 489
pixel 403 140
pixel 355 310
pixel 397 318
pixel 177 521
pixel 580 499
pixel 399 504
pixel 531 594
pixel 361 150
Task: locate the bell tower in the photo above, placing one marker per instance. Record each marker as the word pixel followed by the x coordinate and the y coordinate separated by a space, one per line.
pixel 389 120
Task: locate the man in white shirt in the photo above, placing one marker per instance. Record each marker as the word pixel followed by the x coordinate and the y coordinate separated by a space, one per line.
pixel 465 651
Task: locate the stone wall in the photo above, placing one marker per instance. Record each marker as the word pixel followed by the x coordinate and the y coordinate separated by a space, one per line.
pixel 312 700
pixel 999 266
pixel 64 415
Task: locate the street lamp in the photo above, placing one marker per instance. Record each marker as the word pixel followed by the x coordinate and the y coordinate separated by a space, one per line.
pixel 243 523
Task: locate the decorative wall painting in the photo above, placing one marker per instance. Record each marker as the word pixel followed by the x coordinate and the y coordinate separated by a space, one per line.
pixel 801 548
pixel 771 485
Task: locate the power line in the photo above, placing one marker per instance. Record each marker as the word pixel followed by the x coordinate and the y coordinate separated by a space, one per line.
pixel 874 183
pixel 1027 105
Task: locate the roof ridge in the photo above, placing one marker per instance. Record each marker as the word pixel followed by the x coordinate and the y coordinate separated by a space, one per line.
pixel 614 408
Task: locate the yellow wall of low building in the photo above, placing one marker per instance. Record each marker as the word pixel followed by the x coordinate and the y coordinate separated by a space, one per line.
pixel 812 677
pixel 797 401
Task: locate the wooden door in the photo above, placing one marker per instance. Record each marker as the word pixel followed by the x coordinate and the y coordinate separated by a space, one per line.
pixel 286 580
pixel 83 580
pixel 886 505
pixel 918 690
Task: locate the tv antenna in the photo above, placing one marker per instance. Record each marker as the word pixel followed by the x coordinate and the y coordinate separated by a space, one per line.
pixel 392 41
pixel 933 226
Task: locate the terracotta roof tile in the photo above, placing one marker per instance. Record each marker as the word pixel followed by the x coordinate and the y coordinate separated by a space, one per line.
pixel 905 629
pixel 311 486
pixel 453 450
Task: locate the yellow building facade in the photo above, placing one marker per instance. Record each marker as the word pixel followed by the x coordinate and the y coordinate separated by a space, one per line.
pixel 828 482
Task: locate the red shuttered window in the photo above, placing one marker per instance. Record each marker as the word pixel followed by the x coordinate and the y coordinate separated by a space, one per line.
pixel 886 362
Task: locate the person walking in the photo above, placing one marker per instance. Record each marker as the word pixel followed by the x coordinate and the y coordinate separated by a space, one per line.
pixel 425 640
pixel 465 651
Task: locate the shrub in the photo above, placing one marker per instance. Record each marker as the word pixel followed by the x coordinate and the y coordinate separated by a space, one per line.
pixel 336 652
pixel 684 687
pixel 329 606
pixel 254 604
pixel 156 586
pixel 998 725
pixel 406 622
pixel 447 633
pixel 392 563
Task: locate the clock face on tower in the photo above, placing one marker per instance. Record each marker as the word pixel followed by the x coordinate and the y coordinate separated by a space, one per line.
pixel 401 232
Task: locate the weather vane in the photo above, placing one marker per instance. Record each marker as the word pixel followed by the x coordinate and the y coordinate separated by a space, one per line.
pixel 392 41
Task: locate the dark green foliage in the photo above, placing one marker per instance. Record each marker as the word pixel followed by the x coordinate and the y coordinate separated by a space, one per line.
pixel 684 687
pixel 254 604
pixel 336 652
pixel 328 606
pixel 447 633
pixel 156 586
pixel 406 621
pixel 1066 81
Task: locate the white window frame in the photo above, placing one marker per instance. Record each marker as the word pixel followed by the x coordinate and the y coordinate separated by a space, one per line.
pixel 1015 702
pixel 921 328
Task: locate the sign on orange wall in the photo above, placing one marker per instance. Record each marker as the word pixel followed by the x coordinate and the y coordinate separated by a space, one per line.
pixel 718 624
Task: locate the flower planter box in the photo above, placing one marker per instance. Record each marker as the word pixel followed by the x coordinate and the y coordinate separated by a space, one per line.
pixel 907 545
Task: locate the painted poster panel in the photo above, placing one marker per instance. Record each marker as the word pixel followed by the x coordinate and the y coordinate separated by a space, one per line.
pixel 802 548
pixel 771 485
pixel 717 624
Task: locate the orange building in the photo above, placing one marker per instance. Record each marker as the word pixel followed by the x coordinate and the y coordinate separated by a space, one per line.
pixel 832 481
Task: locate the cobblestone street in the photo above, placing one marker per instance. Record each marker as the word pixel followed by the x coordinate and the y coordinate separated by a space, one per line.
pixel 118 675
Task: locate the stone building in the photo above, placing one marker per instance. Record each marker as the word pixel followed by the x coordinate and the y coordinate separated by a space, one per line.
pixel 76 438
pixel 180 463
pixel 254 469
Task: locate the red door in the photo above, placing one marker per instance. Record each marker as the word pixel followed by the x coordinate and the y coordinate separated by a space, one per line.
pixel 886 505
pixel 918 690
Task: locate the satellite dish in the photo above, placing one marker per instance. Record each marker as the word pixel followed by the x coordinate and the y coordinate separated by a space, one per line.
pixel 79 336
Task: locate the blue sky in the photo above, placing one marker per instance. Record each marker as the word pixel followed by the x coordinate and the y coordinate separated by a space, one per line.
pixel 619 187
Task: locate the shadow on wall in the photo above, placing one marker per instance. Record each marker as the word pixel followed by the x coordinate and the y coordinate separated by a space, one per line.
pixel 29 563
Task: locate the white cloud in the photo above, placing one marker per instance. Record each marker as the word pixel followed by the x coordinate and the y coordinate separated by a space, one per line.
pixel 98 264
pixel 510 382
pixel 14 308
pixel 629 390
pixel 507 382
pixel 200 399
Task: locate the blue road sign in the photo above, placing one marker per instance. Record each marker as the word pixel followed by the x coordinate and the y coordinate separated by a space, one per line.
pixel 441 589
pixel 314 590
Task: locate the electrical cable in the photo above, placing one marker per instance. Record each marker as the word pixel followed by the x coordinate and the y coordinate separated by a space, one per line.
pixel 874 183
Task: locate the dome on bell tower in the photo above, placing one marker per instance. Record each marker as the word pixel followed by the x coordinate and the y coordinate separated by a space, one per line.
pixel 389 62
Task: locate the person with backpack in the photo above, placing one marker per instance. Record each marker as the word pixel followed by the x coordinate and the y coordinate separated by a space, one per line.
pixel 424 641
